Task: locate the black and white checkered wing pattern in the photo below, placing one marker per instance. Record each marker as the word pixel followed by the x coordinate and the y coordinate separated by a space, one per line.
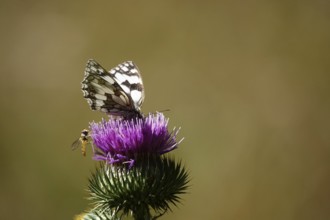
pixel 117 92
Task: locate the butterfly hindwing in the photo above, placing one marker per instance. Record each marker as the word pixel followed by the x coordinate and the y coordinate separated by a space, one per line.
pixel 117 92
pixel 128 77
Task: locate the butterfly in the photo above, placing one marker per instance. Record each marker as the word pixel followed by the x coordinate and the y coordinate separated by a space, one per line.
pixel 117 92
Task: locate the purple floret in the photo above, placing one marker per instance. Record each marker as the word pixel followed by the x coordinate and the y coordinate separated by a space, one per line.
pixel 122 141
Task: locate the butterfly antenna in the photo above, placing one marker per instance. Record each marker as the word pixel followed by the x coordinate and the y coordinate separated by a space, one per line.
pixel 165 110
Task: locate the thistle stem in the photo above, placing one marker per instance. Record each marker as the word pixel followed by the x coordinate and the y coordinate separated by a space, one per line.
pixel 142 213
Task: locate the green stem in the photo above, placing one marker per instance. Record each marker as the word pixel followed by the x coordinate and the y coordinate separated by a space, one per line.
pixel 142 213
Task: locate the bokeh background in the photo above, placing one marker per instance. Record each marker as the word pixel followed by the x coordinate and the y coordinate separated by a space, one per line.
pixel 248 82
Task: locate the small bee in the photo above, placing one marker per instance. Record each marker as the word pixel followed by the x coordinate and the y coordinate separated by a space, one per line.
pixel 81 142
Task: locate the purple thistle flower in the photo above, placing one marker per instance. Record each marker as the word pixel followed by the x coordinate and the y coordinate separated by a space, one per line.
pixel 123 141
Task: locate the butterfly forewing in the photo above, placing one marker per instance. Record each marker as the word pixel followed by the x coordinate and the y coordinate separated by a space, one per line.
pixel 118 92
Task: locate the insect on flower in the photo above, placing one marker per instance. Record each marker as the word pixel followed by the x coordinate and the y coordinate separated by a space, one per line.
pixel 81 142
pixel 117 92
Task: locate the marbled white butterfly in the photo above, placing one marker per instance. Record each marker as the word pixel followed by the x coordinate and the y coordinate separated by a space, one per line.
pixel 117 92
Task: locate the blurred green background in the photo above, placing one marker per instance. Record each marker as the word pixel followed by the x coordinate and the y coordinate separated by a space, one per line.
pixel 248 82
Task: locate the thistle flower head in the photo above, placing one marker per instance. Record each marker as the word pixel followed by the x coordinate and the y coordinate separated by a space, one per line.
pixel 122 141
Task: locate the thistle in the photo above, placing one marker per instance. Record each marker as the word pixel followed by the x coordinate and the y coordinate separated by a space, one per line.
pixel 125 141
pixel 135 176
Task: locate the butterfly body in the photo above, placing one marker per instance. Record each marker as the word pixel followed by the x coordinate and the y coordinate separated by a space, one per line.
pixel 117 92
